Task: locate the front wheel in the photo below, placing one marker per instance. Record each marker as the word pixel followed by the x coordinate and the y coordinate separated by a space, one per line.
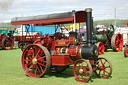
pixel 82 70
pixel 101 48
pixel 103 68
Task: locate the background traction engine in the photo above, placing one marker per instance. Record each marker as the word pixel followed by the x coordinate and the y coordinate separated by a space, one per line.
pixel 126 50
pixel 108 40
pixel 6 42
pixel 40 58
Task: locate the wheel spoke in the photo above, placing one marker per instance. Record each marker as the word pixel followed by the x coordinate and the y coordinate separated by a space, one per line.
pixel 79 75
pixel 41 59
pixel 104 62
pixel 33 52
pixel 37 53
pixel 107 72
pixel 79 64
pixel 29 57
pixel 101 62
pixel 33 69
pixel 27 60
pixel 29 64
pixel 99 72
pixel 38 69
pixel 107 67
pixel 41 69
pixel 82 77
pixel 76 69
pixel 42 64
pixel 103 73
pixel 86 75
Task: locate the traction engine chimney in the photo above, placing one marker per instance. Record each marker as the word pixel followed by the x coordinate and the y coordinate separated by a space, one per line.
pixel 89 26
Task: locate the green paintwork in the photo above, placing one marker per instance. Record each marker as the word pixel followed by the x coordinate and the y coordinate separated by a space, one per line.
pixel 101 38
pixel 8 31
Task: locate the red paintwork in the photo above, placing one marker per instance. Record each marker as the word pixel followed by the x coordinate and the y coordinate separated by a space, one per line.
pixel 53 45
pixel 126 24
pixel 119 42
pixel 2 36
pixel 72 51
pixel 38 41
pixel 45 21
pixel 0 43
pixel 101 48
pixel 82 17
pixel 53 21
pixel 91 62
pixel 61 42
pixel 27 38
pixel 72 40
pixel 61 60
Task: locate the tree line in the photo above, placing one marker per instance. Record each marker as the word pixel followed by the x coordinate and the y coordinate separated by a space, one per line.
pixel 119 23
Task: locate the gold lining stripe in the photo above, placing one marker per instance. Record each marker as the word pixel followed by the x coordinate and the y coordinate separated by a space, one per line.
pixel 80 54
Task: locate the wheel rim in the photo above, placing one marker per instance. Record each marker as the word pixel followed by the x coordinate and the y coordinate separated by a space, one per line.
pixel 21 45
pixel 36 60
pixel 7 43
pixel 126 51
pixel 117 42
pixel 101 48
pixel 38 41
pixel 2 36
pixel 103 68
pixel 82 70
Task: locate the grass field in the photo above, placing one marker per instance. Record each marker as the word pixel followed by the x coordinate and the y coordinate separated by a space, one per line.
pixel 11 72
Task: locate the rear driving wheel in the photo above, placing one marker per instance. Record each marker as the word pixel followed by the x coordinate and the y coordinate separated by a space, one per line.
pixel 126 51
pixel 103 68
pixel 117 42
pixel 82 70
pixel 36 60
pixel 7 43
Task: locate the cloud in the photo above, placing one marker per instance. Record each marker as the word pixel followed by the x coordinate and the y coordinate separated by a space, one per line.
pixel 5 4
pixel 101 9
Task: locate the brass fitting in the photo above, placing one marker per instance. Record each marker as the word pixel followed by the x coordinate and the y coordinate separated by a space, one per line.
pixel 88 10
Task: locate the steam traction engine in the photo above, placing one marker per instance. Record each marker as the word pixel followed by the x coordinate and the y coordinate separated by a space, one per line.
pixel 6 42
pixel 126 44
pixel 106 39
pixel 58 52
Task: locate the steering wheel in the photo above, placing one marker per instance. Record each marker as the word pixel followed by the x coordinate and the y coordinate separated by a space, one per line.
pixel 59 35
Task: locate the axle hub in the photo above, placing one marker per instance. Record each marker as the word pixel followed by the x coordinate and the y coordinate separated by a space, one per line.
pixel 81 71
pixel 34 60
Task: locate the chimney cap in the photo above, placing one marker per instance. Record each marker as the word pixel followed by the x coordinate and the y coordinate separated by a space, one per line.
pixel 88 10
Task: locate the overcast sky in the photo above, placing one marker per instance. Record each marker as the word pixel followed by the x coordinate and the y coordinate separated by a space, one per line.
pixel 102 9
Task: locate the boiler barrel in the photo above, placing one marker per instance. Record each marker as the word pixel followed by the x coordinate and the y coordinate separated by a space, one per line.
pixel 85 52
pixel 89 52
pixel 100 38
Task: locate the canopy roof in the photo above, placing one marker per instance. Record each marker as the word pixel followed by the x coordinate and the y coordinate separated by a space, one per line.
pixel 51 19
